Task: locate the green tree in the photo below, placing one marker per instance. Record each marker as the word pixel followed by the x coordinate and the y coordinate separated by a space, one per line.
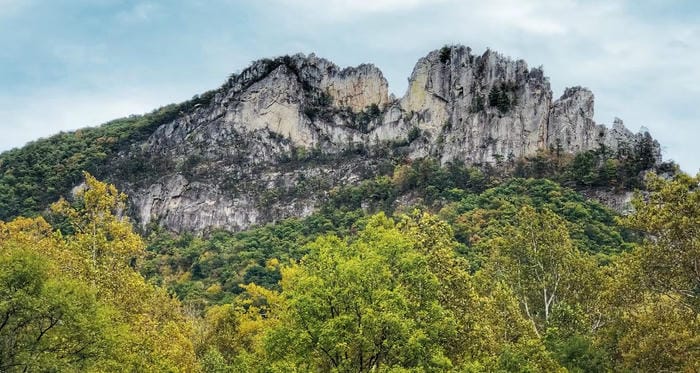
pixel 653 321
pixel 483 342
pixel 363 305
pixel 106 249
pixel 669 258
pixel 392 297
pixel 537 257
pixel 83 276
pixel 47 322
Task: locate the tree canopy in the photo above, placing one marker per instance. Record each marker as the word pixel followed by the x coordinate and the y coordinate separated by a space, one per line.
pixel 524 276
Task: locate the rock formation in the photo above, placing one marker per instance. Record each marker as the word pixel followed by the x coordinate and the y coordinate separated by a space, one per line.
pixel 249 155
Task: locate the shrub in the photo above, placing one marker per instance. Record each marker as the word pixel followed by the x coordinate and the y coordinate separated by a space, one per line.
pixel 413 134
pixel 445 54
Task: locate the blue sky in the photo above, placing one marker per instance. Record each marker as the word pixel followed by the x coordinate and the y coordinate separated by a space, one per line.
pixel 69 64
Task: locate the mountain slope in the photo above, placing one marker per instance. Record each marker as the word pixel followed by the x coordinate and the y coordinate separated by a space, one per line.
pixel 275 138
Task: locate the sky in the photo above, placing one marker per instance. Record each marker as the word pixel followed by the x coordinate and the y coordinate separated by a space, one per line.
pixel 70 64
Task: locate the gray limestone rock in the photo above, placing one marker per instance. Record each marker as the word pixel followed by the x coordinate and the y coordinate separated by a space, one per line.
pixel 245 157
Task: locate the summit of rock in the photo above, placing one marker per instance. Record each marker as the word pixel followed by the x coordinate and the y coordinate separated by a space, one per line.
pixel 217 162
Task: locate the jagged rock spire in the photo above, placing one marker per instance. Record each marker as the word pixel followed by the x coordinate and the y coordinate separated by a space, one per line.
pixel 219 158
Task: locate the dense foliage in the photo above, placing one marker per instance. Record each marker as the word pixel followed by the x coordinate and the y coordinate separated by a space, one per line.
pixel 591 226
pixel 72 302
pixel 204 271
pixel 521 275
pixel 623 169
pixel 210 271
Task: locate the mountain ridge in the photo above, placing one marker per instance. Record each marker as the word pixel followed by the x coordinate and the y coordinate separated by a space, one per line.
pixel 236 156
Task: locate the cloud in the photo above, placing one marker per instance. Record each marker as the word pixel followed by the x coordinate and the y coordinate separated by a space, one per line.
pixel 46 113
pixel 640 59
pixel 342 9
pixel 9 8
pixel 140 12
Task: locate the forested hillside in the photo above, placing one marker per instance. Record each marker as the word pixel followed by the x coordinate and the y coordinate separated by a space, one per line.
pixel 301 219
pixel 275 138
pixel 521 276
pixel 37 174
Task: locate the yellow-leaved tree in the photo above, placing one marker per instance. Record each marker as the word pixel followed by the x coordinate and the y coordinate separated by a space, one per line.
pixel 656 326
pixel 393 297
pixel 127 324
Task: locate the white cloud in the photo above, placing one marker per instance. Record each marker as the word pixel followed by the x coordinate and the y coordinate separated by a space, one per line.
pixel 9 8
pixel 325 11
pixel 49 112
pixel 642 67
pixel 140 12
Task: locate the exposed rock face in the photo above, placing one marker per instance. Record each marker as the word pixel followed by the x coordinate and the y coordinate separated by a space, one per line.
pixel 195 206
pixel 282 125
pixel 573 128
pixel 352 87
pixel 618 201
pixel 456 94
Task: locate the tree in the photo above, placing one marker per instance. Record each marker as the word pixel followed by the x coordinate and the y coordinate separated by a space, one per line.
pixel 104 241
pixel 483 341
pixel 232 335
pixel 644 154
pixel 392 297
pixel 656 335
pixel 362 305
pixel 78 285
pixel 47 322
pixel 537 257
pixel 653 322
pixel 669 218
pixel 498 97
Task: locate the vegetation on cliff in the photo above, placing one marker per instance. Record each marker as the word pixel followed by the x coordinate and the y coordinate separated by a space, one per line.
pixel 522 276
pixel 401 258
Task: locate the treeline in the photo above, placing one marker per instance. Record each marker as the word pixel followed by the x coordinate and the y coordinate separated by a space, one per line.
pixel 523 276
pixel 622 169
pixel 205 271
pixel 34 176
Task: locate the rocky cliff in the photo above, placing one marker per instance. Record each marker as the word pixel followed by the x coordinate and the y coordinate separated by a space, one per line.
pixel 255 149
